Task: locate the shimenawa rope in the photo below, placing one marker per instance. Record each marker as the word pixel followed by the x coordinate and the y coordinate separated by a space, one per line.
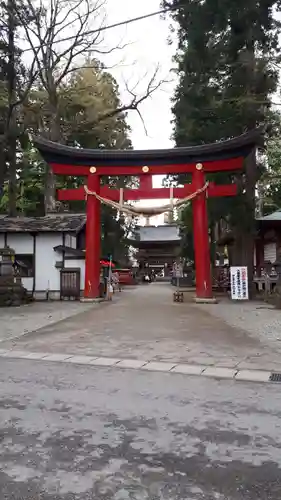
pixel 136 211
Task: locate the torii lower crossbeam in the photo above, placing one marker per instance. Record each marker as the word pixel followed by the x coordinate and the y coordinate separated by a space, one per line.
pixel 144 194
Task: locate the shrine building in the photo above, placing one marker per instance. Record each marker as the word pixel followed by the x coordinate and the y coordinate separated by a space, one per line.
pixel 157 247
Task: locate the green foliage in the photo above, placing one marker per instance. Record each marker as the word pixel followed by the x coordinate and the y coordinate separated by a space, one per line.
pixel 61 97
pixel 269 186
pixel 89 95
pixel 14 81
pixel 226 64
pixel 224 68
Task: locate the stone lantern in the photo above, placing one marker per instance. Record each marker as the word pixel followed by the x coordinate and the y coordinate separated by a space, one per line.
pixel 12 293
pixel 7 256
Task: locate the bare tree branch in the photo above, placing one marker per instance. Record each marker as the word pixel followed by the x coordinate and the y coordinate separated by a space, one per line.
pixel 57 55
pixel 54 62
pixel 133 105
pixel 55 59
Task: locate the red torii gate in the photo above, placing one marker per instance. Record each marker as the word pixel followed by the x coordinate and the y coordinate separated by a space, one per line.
pixel 225 156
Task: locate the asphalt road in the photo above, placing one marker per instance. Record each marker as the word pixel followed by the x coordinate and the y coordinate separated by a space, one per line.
pixel 79 433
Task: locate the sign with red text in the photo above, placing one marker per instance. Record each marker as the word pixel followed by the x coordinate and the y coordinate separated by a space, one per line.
pixel 239 283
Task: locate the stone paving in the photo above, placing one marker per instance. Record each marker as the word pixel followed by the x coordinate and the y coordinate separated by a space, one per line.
pixel 144 324
pixel 18 321
pixel 217 372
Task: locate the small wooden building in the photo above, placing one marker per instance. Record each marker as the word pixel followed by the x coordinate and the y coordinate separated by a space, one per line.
pixel 43 247
pixel 267 240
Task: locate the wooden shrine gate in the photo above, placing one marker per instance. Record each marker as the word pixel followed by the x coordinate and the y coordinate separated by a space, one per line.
pixel 224 156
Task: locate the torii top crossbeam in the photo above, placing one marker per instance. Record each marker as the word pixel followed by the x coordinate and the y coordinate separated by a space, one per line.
pixel 199 160
pixel 224 155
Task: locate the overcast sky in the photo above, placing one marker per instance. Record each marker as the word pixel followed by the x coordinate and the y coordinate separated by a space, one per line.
pixel 147 48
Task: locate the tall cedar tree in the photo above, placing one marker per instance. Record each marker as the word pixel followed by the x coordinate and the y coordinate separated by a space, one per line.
pixel 15 81
pixel 226 66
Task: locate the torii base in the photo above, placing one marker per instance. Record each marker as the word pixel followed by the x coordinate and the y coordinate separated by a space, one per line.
pixel 89 300
pixel 203 300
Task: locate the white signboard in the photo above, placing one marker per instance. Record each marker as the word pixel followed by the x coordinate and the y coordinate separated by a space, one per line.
pixel 178 270
pixel 239 283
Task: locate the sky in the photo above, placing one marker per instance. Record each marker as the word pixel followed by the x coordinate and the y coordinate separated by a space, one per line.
pixel 146 49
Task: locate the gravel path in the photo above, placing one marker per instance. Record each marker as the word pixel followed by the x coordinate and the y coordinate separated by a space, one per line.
pixel 18 321
pixel 260 320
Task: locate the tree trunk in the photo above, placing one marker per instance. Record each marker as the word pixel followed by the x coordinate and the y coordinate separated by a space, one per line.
pixel 249 237
pixel 244 243
pixel 55 136
pixel 12 175
pixel 50 189
pixel 11 120
pixel 3 167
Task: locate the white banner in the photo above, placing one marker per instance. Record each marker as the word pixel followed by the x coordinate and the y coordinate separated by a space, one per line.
pixel 239 283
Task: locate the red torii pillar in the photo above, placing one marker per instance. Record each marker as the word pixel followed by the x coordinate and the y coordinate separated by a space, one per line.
pixel 201 237
pixel 93 240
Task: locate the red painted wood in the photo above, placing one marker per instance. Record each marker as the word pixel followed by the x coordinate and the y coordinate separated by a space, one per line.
pixel 201 240
pixel 211 166
pixel 146 182
pixel 153 194
pixel 71 194
pixel 60 169
pixel 218 190
pixel 92 258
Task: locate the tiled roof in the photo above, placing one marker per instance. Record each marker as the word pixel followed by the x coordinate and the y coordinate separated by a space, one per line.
pixel 157 233
pixel 50 223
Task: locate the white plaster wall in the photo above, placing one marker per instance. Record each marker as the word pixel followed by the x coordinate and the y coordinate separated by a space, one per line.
pixel 73 241
pixel 22 243
pixel 70 241
pixel 28 283
pixel 77 263
pixel 47 276
pixel 67 240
